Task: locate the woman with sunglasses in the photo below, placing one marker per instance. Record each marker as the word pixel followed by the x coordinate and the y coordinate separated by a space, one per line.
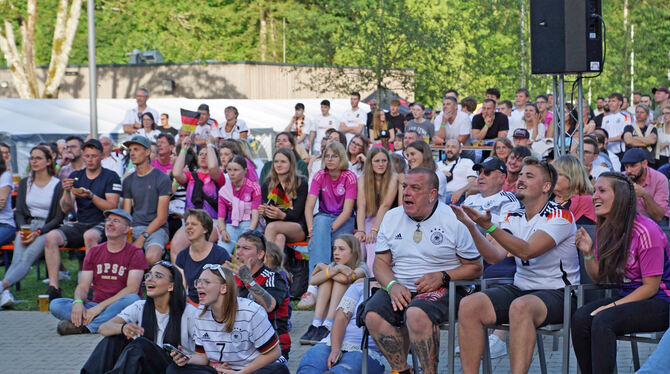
pixel 134 338
pixel 232 334
pixel 632 251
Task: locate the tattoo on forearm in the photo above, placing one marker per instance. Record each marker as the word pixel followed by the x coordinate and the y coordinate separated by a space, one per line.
pixel 392 347
pixel 261 295
pixel 245 274
pixel 427 351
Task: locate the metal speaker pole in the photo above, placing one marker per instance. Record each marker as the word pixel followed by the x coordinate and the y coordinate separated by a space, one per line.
pixel 92 76
pixel 561 93
pixel 580 116
pixel 556 115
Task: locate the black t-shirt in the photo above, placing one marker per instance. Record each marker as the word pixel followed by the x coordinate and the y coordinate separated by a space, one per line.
pixel 599 120
pixel 106 182
pixel 192 269
pixel 500 123
pixel 397 122
pixel 629 128
pixel 170 130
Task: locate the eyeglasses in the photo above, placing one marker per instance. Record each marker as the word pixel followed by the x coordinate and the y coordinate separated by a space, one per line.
pixel 32 158
pixel 153 275
pixel 664 113
pixel 331 157
pixel 213 267
pixel 71 146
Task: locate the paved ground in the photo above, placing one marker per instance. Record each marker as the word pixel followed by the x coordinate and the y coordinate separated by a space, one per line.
pixel 29 343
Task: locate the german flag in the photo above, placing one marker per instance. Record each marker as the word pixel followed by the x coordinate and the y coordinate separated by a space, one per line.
pixel 189 120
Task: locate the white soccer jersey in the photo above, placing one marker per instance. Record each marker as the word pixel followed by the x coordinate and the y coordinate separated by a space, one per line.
pixel 320 125
pixel 252 335
pixel 557 267
pixel 499 204
pixel 444 240
pixel 461 172
pixel 614 124
pixel 353 118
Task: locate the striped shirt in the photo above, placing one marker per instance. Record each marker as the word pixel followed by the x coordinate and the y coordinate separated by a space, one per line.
pixel 252 335
pixel 500 204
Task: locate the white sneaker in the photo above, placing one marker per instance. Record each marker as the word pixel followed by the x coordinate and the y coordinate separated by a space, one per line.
pixel 307 301
pixel 497 346
pixel 62 275
pixel 6 299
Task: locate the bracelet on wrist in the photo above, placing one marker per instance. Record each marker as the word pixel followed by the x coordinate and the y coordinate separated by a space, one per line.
pixel 375 230
pixel 78 301
pixel 183 151
pixel 328 272
pixel 58 167
pixel 67 192
pixel 390 284
pixel 122 326
pixel 589 257
pixel 491 229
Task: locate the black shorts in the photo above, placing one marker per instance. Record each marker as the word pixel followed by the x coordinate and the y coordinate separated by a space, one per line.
pixel 73 233
pixel 435 304
pixel 502 297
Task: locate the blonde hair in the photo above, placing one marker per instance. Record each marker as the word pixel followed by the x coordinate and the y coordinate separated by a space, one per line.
pixel 355 247
pixel 571 168
pixel 339 150
pixel 377 124
pixel 374 197
pixel 229 299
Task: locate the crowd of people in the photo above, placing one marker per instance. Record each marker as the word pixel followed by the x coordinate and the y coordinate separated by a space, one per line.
pixel 203 228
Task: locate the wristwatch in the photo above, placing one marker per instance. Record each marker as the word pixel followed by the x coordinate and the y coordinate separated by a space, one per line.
pixel 446 278
pixel 145 235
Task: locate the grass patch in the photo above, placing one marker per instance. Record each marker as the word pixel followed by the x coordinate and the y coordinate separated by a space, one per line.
pixel 26 298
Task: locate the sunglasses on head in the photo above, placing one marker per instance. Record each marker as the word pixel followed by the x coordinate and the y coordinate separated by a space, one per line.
pixel 257 234
pixel 216 267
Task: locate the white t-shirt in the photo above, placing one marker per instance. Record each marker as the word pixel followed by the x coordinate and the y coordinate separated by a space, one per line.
pixel 461 125
pixel 307 127
pixel 462 171
pixel 240 127
pixel 6 214
pixel 442 187
pixel 614 124
pixel 252 334
pixel 133 116
pixel 151 136
pixel 353 118
pixel 320 125
pixel 516 120
pixel 557 267
pixel 133 314
pixel 500 204
pixel 443 241
pixel 596 170
pixel 114 163
pixel 39 199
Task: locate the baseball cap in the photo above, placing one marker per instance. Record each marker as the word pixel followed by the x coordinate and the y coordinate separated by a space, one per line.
pixel 633 155
pixel 490 164
pixel 384 134
pixel 120 213
pixel 204 107
pixel 521 133
pixel 95 143
pixel 138 139
pixel 662 89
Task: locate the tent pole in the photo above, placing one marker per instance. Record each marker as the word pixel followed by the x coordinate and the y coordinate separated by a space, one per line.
pixel 92 74
pixel 580 116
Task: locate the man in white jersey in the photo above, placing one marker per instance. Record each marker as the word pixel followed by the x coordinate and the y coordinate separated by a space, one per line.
pixel 420 248
pixel 614 124
pixel 451 123
pixel 322 123
pixel 542 239
pixel 353 119
pixel 491 175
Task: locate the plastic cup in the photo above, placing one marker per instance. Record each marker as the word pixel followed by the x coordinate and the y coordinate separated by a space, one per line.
pixel 25 231
pixel 43 300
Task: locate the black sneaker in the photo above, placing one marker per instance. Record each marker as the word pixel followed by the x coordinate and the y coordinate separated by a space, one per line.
pixel 66 327
pixel 307 338
pixel 54 293
pixel 321 332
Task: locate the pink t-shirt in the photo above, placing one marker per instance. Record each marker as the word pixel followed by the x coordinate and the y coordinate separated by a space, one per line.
pixel 164 168
pixel 582 205
pixel 657 185
pixel 332 193
pixel 647 257
pixel 249 195
pixel 110 270
pixel 209 188
pixel 547 120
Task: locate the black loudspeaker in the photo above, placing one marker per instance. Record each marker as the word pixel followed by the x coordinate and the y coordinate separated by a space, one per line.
pixel 565 37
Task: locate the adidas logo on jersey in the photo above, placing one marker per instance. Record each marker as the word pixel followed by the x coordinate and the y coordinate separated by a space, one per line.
pixel 206 336
pixel 398 237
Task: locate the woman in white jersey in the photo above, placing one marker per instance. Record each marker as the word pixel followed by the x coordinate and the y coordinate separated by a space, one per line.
pixel 232 334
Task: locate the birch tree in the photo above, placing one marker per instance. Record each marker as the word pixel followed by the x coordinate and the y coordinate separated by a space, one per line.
pixel 21 58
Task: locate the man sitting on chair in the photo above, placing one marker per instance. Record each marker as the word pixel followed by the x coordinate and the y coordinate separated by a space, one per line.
pixel 541 237
pixel 420 248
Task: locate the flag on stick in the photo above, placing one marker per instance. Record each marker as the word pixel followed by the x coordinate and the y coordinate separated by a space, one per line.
pixel 189 120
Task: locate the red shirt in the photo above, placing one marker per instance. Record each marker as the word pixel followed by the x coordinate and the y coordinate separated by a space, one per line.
pixel 110 270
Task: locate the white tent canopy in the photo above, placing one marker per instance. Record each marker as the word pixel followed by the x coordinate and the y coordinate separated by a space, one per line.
pixel 71 116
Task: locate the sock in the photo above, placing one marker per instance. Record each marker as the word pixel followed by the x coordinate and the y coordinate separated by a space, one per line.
pixel 328 323
pixel 312 289
pixel 316 322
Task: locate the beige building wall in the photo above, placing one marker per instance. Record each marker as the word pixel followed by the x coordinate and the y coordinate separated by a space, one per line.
pixel 231 80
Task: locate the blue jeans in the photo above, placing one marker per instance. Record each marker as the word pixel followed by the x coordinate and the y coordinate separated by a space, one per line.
pixel 659 361
pixel 314 362
pixel 62 309
pixel 234 233
pixel 7 233
pixel 323 237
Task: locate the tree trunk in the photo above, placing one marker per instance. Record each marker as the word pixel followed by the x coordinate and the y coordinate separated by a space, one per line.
pixel 262 37
pixel 27 28
pixel 13 58
pixel 522 39
pixel 66 27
